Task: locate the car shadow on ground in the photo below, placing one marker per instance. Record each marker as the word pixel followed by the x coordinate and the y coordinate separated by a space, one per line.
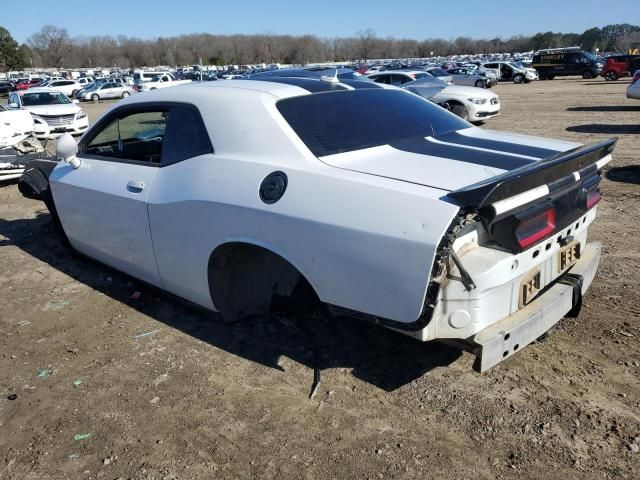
pixel 606 108
pixel 606 129
pixel 628 174
pixel 376 355
pixel 625 81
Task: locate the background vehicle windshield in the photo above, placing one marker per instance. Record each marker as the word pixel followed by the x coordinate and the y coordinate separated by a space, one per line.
pixel 344 121
pixel 590 56
pixel 44 98
pixel 438 72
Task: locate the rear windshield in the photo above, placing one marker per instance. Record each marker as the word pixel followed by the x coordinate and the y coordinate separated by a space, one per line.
pixel 338 122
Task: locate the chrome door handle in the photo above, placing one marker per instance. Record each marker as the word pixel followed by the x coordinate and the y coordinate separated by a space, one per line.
pixel 135 186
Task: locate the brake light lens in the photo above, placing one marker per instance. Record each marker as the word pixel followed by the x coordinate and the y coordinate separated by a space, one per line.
pixel 535 227
pixel 593 196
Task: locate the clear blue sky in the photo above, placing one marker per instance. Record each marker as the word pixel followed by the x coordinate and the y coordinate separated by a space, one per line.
pixel 417 19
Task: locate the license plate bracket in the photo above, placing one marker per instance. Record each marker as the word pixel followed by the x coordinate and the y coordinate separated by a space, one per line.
pixel 568 256
pixel 529 287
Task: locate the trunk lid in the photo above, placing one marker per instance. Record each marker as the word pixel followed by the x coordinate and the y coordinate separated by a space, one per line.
pixel 450 161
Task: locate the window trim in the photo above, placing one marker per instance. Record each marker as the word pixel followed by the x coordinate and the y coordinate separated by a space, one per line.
pixel 130 110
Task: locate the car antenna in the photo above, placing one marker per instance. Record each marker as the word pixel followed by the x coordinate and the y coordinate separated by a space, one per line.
pixel 327 78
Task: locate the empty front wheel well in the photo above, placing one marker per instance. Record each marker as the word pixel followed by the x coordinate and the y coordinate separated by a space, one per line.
pixel 246 280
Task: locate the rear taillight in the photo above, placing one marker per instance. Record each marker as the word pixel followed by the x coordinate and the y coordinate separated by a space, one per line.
pixel 533 226
pixel 591 192
pixel 593 196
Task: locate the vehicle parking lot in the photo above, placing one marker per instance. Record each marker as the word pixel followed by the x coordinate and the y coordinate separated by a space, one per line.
pixel 166 391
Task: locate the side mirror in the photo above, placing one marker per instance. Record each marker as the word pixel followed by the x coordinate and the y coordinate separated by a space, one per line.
pixel 67 149
pixel 13 105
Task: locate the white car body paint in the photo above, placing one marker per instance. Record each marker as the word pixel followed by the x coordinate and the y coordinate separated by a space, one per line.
pixel 163 81
pixel 364 227
pixel 477 112
pixel 15 126
pixel 68 87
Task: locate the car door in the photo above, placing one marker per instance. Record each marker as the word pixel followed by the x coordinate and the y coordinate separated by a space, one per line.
pixel 109 90
pixel 102 204
pixel 506 72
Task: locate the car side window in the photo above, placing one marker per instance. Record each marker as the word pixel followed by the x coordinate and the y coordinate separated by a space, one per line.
pixel 382 79
pixel 185 136
pixel 137 136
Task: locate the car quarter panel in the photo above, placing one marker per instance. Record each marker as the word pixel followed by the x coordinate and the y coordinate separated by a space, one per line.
pixel 362 241
pixel 366 246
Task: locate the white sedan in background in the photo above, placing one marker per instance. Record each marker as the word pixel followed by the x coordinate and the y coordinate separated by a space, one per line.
pixel 105 91
pixel 470 103
pixel 372 201
pixel 53 113
pixel 633 90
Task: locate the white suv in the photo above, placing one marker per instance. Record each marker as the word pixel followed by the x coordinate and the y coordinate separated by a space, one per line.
pixel 68 87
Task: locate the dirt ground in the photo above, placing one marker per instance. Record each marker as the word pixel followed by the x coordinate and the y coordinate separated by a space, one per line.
pixel 197 399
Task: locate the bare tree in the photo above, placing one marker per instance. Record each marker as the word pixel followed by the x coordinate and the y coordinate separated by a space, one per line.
pixel 50 43
pixel 366 42
pixel 52 47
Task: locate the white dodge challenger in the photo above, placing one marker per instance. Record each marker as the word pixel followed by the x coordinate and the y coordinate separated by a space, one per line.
pixel 241 195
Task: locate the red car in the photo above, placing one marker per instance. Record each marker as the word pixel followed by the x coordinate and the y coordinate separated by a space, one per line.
pixel 618 66
pixel 22 85
pixel 36 82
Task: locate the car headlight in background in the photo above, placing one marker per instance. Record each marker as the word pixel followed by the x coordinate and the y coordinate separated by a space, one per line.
pixel 81 114
pixel 478 101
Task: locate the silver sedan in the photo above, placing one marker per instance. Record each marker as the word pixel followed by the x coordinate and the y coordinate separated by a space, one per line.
pixel 105 91
pixel 470 78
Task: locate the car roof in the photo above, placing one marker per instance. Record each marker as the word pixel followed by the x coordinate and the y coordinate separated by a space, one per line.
pixel 405 72
pixel 315 85
pixel 40 90
pixel 276 89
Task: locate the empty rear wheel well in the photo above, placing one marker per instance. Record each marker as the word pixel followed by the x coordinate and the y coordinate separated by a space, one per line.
pixel 244 280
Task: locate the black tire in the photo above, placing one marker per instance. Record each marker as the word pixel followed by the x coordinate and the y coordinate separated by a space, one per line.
pixel 543 76
pixel 551 77
pixel 611 76
pixel 518 78
pixel 587 74
pixel 460 110
pixel 481 84
pixel 95 98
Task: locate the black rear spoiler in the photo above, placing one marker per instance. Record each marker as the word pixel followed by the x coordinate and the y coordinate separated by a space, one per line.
pixel 531 176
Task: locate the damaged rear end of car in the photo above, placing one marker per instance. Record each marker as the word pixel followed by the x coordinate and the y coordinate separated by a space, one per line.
pixel 517 259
